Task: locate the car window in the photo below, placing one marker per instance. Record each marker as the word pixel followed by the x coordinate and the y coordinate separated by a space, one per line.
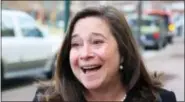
pixel 147 22
pixel 7 28
pixel 162 25
pixel 144 22
pixel 31 32
pixel 28 27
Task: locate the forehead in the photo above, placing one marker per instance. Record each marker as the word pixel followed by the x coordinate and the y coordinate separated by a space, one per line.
pixel 88 25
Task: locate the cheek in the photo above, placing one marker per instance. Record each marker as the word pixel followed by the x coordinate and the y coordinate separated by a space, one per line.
pixel 101 53
pixel 73 60
pixel 110 55
pixel 104 52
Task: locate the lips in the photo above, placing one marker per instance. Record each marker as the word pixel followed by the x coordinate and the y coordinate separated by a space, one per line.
pixel 90 68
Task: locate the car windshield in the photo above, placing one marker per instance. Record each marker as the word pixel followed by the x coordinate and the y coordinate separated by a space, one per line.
pixel 143 23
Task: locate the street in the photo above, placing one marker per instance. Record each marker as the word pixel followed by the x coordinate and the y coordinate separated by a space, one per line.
pixel 169 60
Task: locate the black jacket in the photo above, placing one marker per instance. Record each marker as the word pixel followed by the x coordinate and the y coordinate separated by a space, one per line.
pixel 165 96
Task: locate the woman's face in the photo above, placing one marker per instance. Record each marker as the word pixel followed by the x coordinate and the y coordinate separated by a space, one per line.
pixel 94 54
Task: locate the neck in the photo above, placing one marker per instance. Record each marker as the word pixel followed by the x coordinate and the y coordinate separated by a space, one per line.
pixel 112 91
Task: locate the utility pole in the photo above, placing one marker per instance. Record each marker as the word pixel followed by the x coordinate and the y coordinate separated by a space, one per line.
pixel 66 13
pixel 139 20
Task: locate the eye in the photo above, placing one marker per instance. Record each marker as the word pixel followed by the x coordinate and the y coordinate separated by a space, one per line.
pixel 75 45
pixel 98 41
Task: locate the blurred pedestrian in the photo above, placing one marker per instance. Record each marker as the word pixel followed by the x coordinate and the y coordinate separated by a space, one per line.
pixel 99 61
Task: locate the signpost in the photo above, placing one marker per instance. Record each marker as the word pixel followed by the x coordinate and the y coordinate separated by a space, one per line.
pixel 139 21
pixel 66 14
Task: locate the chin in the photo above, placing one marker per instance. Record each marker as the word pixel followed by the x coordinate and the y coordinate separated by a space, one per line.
pixel 92 85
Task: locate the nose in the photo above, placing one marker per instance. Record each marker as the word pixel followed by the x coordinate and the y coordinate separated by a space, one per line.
pixel 86 53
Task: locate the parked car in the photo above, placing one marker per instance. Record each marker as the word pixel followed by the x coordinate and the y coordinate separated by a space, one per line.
pixel 153 32
pixel 168 22
pixel 26 48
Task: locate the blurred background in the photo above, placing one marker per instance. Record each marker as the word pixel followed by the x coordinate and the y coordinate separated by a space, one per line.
pixel 32 32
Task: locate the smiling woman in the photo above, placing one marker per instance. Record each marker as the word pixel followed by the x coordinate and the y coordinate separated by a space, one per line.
pixel 94 55
pixel 99 61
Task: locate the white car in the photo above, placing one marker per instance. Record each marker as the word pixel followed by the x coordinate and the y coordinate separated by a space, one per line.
pixel 26 48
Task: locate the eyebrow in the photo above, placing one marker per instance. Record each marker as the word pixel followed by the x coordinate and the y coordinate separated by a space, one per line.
pixel 98 34
pixel 93 33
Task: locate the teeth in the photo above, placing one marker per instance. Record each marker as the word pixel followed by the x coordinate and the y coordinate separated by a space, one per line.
pixel 85 69
pixel 89 67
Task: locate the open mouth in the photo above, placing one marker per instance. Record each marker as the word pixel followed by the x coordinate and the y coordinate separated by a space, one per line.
pixel 88 69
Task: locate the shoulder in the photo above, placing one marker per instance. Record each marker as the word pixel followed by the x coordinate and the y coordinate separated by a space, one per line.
pixel 166 95
pixel 39 92
pixel 44 90
pixel 47 93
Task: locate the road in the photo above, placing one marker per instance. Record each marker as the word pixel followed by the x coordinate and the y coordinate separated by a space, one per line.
pixel 169 60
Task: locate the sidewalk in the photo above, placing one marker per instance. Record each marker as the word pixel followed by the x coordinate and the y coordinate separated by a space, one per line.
pixel 171 62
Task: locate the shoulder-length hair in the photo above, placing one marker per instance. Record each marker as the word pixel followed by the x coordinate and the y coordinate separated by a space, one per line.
pixel 134 76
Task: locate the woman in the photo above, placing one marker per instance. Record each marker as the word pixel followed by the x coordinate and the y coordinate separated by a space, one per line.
pixel 99 61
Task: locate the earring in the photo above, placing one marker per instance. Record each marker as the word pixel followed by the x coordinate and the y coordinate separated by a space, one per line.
pixel 121 67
